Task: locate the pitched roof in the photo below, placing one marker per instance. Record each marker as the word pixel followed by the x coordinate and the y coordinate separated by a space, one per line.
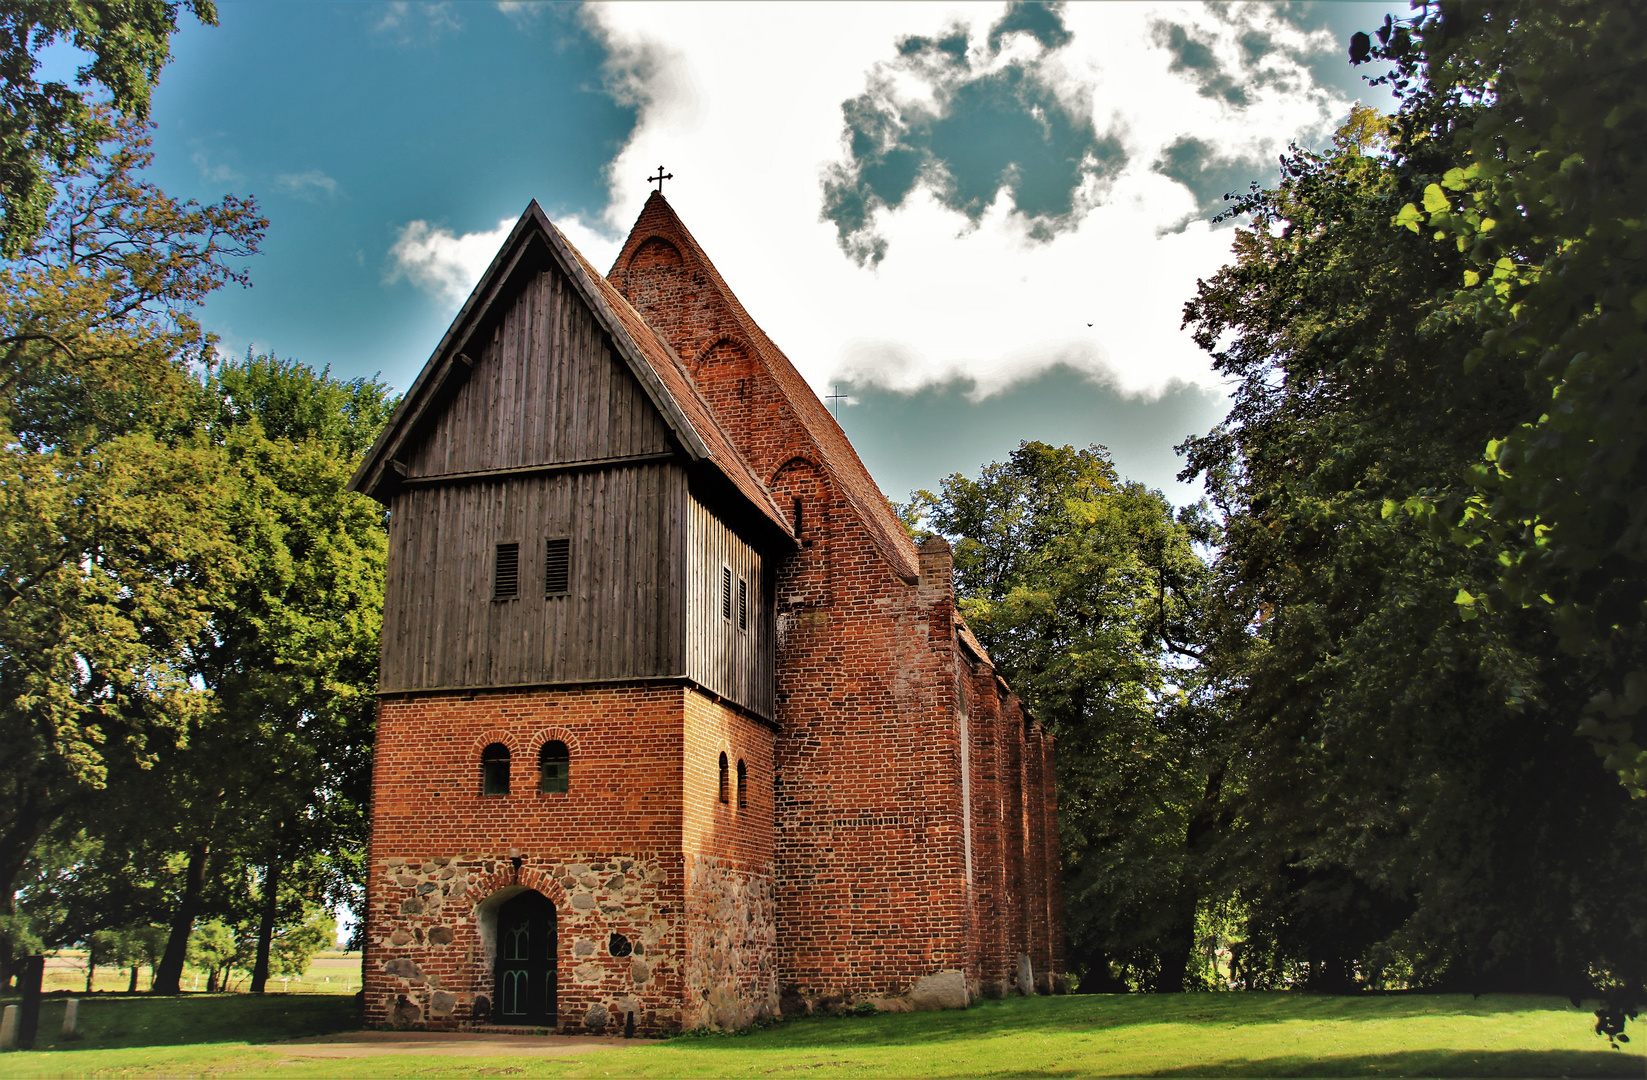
pixel 840 460
pixel 652 361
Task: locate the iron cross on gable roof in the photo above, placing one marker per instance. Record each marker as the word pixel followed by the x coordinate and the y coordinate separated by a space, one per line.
pixel 660 178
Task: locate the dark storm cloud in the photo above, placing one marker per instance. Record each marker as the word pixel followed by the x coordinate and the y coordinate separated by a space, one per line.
pixel 1194 59
pixel 1043 22
pixel 1004 126
pixel 1209 175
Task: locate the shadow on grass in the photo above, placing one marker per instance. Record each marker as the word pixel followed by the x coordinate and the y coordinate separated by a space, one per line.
pixel 1112 1012
pixel 1472 1063
pixel 112 1022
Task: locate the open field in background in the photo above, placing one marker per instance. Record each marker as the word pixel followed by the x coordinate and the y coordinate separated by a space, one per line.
pixel 330 972
pixel 1276 1034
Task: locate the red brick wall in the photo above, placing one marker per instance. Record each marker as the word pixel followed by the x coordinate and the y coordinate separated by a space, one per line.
pixel 730 964
pixel 872 888
pixel 608 852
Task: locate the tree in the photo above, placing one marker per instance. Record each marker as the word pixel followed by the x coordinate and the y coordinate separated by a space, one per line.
pixel 280 779
pixel 1542 201
pixel 297 656
pixel 1085 589
pixel 110 559
pixel 49 129
pixel 1406 805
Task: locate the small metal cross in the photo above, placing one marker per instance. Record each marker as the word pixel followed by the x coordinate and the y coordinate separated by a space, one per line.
pixel 836 396
pixel 660 178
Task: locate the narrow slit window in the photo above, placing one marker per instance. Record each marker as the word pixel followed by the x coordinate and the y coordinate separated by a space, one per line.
pixel 557 566
pixel 506 572
pixel 797 517
pixel 726 593
pixel 743 784
pixel 554 768
pixel 723 778
pixel 743 604
pixel 494 770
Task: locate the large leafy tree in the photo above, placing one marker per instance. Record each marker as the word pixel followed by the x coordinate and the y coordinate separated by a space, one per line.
pixel 1537 110
pixel 276 781
pixel 1085 590
pixel 50 128
pixel 112 560
pixel 1407 805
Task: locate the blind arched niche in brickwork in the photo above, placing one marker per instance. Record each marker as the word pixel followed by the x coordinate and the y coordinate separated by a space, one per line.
pixel 801 489
pixel 727 377
pixel 653 280
pixel 654 253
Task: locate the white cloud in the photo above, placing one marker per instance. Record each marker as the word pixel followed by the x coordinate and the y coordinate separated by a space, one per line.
pixel 749 142
pixel 448 265
pixel 215 172
pixel 994 300
pixel 409 22
pixel 441 262
pixel 307 185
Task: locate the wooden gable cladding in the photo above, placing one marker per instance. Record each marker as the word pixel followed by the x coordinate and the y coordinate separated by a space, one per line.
pixel 539 475
pixel 546 388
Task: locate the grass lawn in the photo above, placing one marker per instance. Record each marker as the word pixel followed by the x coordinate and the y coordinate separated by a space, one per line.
pixel 1279 1034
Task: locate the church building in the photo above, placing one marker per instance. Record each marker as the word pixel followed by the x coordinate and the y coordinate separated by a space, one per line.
pixel 677 727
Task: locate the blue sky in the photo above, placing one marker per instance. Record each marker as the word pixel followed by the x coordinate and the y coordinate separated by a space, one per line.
pixel 926 205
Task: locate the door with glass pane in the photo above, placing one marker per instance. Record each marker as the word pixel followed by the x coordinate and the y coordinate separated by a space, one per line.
pixel 526 961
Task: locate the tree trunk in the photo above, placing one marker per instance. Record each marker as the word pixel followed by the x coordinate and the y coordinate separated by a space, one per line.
pixel 91 965
pixel 168 977
pixel 1180 936
pixel 132 989
pixel 24 823
pixel 266 924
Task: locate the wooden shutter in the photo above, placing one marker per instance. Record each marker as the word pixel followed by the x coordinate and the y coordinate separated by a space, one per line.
pixel 506 572
pixel 557 566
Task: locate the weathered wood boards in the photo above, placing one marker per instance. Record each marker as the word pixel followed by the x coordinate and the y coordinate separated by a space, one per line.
pixel 729 632
pixel 551 436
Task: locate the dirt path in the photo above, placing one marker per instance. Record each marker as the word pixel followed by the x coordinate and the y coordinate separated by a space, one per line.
pixel 356 1044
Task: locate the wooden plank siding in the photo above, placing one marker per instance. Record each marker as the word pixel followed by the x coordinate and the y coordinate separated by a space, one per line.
pixel 546 388
pixel 444 629
pixel 735 663
pixel 551 435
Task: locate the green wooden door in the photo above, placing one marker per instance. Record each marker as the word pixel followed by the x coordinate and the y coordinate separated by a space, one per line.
pixel 526 961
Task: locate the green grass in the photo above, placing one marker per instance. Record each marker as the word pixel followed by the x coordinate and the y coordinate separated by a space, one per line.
pixel 1277 1034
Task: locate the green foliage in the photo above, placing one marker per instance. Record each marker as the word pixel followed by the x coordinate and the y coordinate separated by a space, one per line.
pixel 52 128
pixel 1086 592
pixel 297 944
pixel 110 552
pixel 217 949
pixel 1406 805
pixel 1539 192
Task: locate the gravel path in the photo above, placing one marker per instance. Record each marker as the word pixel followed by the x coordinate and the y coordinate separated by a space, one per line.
pixel 356 1044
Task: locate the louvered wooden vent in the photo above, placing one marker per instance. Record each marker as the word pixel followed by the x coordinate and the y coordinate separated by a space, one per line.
pixel 557 566
pixel 506 573
pixel 726 593
pixel 743 604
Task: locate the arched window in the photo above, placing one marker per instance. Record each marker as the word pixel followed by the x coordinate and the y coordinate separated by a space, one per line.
pixel 494 770
pixel 743 784
pixel 723 778
pixel 554 767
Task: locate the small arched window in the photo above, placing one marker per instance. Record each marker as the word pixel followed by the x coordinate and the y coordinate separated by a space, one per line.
pixel 723 778
pixel 494 770
pixel 554 767
pixel 743 784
